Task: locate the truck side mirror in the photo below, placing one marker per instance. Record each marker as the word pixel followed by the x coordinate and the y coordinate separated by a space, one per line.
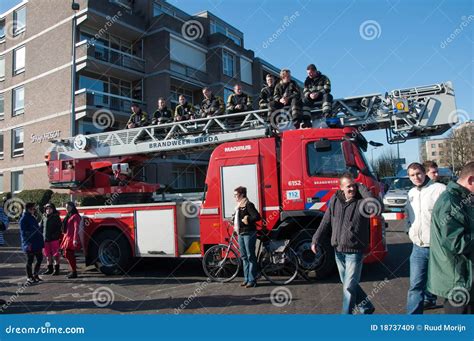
pixel 348 153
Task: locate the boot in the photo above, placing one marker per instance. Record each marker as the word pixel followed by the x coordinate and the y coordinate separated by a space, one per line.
pixel 56 270
pixel 49 271
pixel 37 278
pixel 72 275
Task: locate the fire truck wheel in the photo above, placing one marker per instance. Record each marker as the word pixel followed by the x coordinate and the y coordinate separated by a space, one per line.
pixel 316 266
pixel 111 252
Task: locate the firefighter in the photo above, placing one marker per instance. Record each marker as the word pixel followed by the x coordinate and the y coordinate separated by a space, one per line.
pixel 287 95
pixel 238 101
pixel 138 118
pixel 184 111
pixel 162 114
pixel 266 94
pixel 211 105
pixel 317 91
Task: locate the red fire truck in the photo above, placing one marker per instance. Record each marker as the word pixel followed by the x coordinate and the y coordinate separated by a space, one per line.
pixel 290 176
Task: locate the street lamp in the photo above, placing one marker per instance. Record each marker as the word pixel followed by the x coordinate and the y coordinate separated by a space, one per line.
pixel 75 7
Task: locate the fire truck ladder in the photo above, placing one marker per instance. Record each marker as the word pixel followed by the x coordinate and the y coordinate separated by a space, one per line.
pixel 404 114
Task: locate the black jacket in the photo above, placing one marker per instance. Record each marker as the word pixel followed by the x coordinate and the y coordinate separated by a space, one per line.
pixel 253 216
pixel 51 227
pixel 162 116
pixel 212 106
pixel 318 84
pixel 291 90
pixel 266 96
pixel 347 222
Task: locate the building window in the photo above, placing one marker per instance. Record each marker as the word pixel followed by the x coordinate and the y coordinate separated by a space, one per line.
pixel 1 145
pixel 19 60
pixel 18 99
pixel 228 64
pixel 433 153
pixel 1 184
pixel 17 142
pixel 2 68
pixel 2 29
pixel 176 92
pixel 19 20
pixel 441 153
pixel 17 181
pixel 219 28
pixel 185 177
pixel 245 71
pixel 2 106
pixel 440 145
pixel 433 145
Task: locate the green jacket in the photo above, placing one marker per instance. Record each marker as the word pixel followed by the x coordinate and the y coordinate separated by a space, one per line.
pixel 452 243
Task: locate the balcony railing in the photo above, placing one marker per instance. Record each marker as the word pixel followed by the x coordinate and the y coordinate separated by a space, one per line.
pixel 107 100
pixel 188 71
pixel 113 56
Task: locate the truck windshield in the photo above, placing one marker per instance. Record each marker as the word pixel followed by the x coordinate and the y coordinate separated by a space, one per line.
pixel 326 162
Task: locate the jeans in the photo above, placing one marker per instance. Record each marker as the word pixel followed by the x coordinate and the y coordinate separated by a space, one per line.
pixel 349 266
pixel 417 293
pixel 247 253
pixel 30 257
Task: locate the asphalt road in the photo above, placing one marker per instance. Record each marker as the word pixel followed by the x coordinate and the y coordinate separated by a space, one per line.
pixel 180 287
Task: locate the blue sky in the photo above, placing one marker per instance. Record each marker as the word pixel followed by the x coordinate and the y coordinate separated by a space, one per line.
pixel 406 52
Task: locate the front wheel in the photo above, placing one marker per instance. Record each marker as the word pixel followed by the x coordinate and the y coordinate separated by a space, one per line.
pixel 279 267
pixel 221 263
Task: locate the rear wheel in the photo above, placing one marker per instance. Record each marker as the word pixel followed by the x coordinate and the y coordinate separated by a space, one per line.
pixel 322 263
pixel 220 263
pixel 111 252
pixel 279 267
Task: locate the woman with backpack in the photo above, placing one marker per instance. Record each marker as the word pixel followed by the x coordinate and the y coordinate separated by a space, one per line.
pixel 71 242
pixel 51 225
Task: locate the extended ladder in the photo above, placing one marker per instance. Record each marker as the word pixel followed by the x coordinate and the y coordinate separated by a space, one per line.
pixel 404 114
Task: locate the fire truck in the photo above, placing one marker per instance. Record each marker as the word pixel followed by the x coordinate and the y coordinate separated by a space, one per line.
pixel 290 176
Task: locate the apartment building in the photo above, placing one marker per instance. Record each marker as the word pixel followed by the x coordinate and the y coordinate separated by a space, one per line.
pixel 66 71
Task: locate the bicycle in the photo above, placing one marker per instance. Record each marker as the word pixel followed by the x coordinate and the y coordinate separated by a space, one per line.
pixel 276 260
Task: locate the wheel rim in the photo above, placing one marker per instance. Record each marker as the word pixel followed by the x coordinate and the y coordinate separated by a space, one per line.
pixel 307 258
pixel 109 253
pixel 279 268
pixel 219 269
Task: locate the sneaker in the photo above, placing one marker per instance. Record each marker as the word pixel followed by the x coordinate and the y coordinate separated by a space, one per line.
pixel 251 285
pixel 30 280
pixel 37 278
pixel 429 305
pixel 243 284
pixel 49 271
pixel 369 311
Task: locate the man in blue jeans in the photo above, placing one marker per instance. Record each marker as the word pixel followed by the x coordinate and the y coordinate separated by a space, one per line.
pixel 420 203
pixel 348 219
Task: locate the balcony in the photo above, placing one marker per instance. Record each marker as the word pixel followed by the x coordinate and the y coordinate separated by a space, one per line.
pixel 99 59
pixel 188 72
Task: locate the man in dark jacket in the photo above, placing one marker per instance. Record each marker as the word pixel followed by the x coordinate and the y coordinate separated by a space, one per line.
pixel 287 95
pixel 32 242
pixel 266 94
pixel 451 259
pixel 184 110
pixel 138 118
pixel 348 219
pixel 238 101
pixel 162 114
pixel 317 90
pixel 211 105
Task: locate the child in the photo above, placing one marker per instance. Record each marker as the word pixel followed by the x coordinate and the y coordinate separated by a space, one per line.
pixel 51 226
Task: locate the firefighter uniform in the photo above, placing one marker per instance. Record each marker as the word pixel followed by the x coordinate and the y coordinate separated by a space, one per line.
pixel 184 112
pixel 266 96
pixel 213 106
pixel 292 91
pixel 140 119
pixel 243 99
pixel 162 116
pixel 321 85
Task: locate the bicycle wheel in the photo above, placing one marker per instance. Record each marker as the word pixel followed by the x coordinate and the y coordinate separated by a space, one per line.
pixel 279 267
pixel 220 263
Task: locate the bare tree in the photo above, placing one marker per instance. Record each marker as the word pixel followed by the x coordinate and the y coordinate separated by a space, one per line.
pixel 460 148
pixel 385 164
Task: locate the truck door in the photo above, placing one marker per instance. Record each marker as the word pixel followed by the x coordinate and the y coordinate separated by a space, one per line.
pixel 324 163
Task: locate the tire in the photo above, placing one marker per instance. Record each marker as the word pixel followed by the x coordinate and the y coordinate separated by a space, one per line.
pixel 220 265
pixel 322 264
pixel 111 252
pixel 279 267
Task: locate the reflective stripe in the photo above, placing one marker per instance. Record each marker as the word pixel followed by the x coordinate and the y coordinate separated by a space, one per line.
pixel 317 205
pixel 208 211
pixel 271 208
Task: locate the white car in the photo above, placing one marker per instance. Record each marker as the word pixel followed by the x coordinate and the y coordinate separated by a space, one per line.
pixel 397 195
